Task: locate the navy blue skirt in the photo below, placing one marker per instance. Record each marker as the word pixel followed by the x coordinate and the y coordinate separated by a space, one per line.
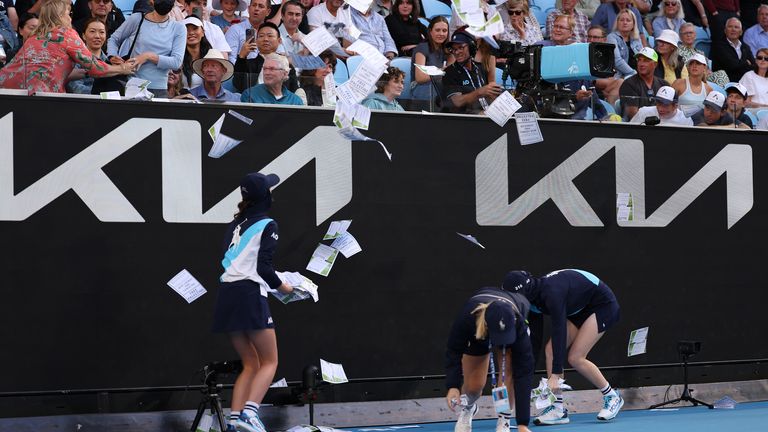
pixel 240 306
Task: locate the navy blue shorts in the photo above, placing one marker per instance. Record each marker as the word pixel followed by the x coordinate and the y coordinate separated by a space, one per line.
pixel 607 315
pixel 240 306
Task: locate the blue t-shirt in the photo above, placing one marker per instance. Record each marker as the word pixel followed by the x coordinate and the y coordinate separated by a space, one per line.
pixel 260 94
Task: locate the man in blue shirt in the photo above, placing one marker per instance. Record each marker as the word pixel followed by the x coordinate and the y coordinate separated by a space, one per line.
pixel 214 69
pixel 374 30
pixel 273 91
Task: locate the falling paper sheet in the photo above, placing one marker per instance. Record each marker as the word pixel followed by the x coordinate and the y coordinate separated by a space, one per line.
pixel 322 260
pixel 242 118
pixel 136 88
pixel 337 228
pixel 430 70
pixel 347 245
pixel 637 341
pixel 623 199
pixel 329 90
pixel 528 128
pixel 319 40
pixel 471 238
pixel 368 52
pixel 360 5
pixel 355 115
pixel 465 6
pixel 361 83
pixel 503 108
pixel 362 117
pixel 493 26
pixel 187 286
pixel 475 19
pixel 352 134
pixel 624 214
pixel 221 143
pixel 332 372
pixel 307 62
pixel 279 384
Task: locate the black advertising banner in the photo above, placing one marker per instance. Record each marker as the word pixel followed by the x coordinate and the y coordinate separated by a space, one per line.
pixel 103 202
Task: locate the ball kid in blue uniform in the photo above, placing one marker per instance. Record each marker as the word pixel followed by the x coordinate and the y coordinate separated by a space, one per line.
pixel 491 318
pixel 581 308
pixel 241 306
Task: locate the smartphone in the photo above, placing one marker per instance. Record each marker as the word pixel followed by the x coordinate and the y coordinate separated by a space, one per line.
pixel 250 34
pixel 197 12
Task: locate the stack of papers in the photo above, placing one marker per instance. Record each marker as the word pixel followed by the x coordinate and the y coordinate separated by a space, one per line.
pixel 303 288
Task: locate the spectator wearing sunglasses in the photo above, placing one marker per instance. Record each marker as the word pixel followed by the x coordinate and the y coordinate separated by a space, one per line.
pixel 519 26
pixel 756 81
pixel 670 17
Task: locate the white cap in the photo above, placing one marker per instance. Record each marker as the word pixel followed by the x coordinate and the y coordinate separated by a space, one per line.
pixel 738 87
pixel 195 21
pixel 666 95
pixel 698 57
pixel 715 100
pixel 669 36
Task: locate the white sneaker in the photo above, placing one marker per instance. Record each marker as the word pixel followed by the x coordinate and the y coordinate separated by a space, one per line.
pixel 611 406
pixel 464 423
pixel 552 416
pixel 248 423
pixel 502 424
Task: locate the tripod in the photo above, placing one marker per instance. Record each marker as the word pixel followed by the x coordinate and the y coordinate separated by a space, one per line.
pixel 686 395
pixel 210 401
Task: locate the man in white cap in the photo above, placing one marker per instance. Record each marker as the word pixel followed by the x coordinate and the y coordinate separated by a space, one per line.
pixel 714 114
pixel 736 100
pixel 214 69
pixel 665 110
pixel 638 90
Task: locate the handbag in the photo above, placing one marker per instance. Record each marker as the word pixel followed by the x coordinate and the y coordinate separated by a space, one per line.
pixel 118 82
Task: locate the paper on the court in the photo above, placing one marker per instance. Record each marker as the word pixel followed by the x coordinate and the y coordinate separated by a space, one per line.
pixel 187 286
pixel 312 428
pixel 337 228
pixel 279 383
pixel 303 288
pixel 503 108
pixel 430 70
pixel 725 402
pixel 319 40
pixel 206 421
pixel 637 341
pixel 528 128
pixel 351 133
pixel 471 238
pixel 347 245
pixel 332 372
pixel 322 259
pixel 221 142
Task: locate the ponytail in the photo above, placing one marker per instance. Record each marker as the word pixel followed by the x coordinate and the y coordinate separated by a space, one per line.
pixel 481 328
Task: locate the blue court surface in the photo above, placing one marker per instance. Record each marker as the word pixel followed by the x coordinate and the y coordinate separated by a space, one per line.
pixel 746 417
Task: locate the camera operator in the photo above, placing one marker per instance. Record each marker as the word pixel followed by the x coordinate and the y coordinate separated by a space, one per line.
pixel 465 86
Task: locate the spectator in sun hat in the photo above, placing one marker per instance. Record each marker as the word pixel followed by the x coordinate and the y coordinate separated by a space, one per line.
pixel 671 65
pixel 665 109
pixel 736 100
pixel 214 69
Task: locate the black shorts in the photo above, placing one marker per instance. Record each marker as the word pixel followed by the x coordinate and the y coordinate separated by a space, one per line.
pixel 477 347
pixel 607 315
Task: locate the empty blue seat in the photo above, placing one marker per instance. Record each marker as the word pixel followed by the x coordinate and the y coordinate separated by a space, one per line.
pixel 433 8
pixel 341 74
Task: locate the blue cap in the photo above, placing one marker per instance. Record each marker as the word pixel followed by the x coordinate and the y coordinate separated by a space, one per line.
pixel 516 281
pixel 255 186
pixel 500 319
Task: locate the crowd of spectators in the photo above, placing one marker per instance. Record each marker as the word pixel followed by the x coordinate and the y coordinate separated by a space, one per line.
pixel 244 50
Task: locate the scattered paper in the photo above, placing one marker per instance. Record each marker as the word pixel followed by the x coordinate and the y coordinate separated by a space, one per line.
pixel 361 5
pixel 471 238
pixel 465 6
pixel 352 134
pixel 623 199
pixel 637 341
pixel 221 143
pixel 368 52
pixel 430 70
pixel 322 260
pixel 347 114
pixel 354 32
pixel 493 26
pixel 187 286
pixel 624 207
pixel 474 19
pixel 347 245
pixel 279 384
pixel 308 62
pixel 112 95
pixel 332 372
pixel 528 128
pixel 362 117
pixel 337 228
pixel 361 83
pixel 206 422
pixel 726 402
pixel 329 90
pixel 542 396
pixel 137 88
pixel 319 40
pixel 242 118
pixel 503 108
pixel 303 288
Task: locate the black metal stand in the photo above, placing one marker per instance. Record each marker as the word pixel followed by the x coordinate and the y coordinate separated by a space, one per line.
pixel 686 395
pixel 310 378
pixel 212 401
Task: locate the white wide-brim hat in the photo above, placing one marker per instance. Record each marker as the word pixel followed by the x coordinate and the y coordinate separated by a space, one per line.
pixel 214 54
